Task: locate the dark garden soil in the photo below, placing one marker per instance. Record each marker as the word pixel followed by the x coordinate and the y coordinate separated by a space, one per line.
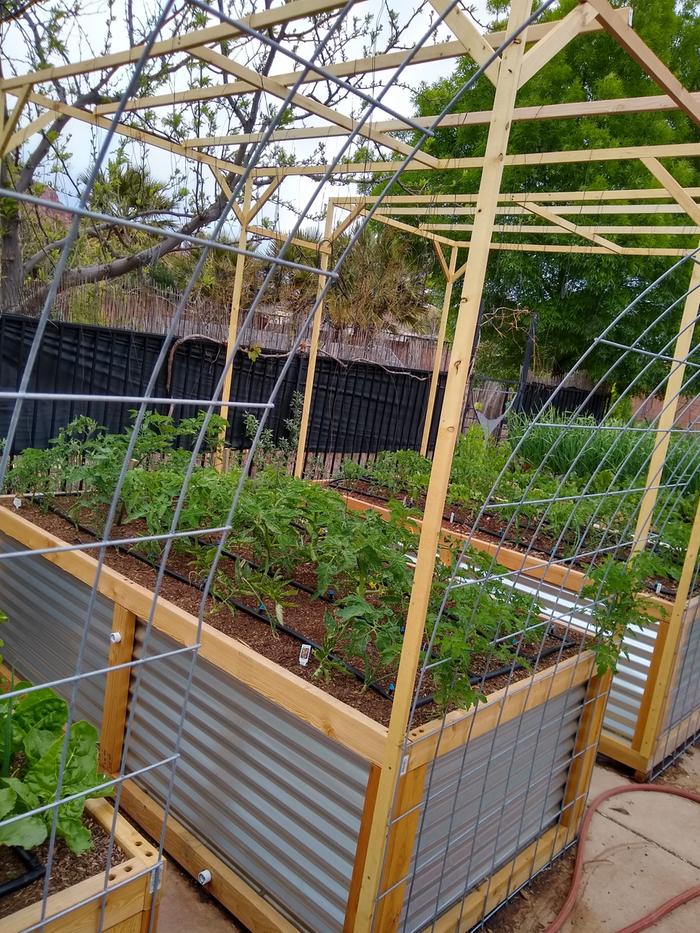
pixel 66 869
pixel 303 613
pixel 492 528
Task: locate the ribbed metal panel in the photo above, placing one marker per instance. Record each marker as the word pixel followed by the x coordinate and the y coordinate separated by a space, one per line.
pixel 627 688
pixel 47 609
pixel 485 805
pixel 276 800
pixel 685 695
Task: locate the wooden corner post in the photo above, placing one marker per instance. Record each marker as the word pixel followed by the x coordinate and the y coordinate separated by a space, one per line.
pixel 234 314
pixel 450 279
pixel 674 385
pixel 116 697
pixel 313 348
pixel 448 429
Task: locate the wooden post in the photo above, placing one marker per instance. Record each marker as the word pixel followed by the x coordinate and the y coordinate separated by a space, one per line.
pixel 457 375
pixel 236 301
pixel 313 348
pixel 659 696
pixel 667 417
pixel 116 698
pixel 450 280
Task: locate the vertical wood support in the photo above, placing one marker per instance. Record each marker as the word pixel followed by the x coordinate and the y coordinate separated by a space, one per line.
pixel 661 683
pixel 448 429
pixel 361 850
pixel 674 385
pixel 116 699
pixel 437 362
pixel 313 348
pixel 585 751
pixel 234 314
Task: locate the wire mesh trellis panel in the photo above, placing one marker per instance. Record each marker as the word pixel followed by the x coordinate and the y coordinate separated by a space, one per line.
pixel 373 739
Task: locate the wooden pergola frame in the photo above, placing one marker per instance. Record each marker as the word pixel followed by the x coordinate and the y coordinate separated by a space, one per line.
pixel 518 62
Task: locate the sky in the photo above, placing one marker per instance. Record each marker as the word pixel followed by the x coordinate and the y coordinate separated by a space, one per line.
pixel 87 36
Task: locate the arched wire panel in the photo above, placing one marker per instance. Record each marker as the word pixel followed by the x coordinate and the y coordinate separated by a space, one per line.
pixel 595 537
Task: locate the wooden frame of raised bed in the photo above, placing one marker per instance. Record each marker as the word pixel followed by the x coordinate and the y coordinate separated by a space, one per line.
pixel 318 839
pixel 653 709
pixel 128 907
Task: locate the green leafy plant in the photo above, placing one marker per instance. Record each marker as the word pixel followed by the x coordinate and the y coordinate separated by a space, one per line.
pixel 32 741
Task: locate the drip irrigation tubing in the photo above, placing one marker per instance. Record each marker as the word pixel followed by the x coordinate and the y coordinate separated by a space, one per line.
pixel 663 909
pixel 35 871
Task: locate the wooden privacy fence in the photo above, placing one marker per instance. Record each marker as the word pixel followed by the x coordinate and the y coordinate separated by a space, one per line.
pixel 277 779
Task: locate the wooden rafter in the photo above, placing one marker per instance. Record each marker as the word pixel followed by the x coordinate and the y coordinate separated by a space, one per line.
pixel 566 30
pixel 262 200
pixel 562 157
pixel 471 40
pixel 672 187
pixel 637 49
pixel 270 86
pixel 577 110
pixel 297 9
pixel 649 229
pixel 610 194
pixel 10 123
pixel 517 209
pixel 443 262
pixel 554 218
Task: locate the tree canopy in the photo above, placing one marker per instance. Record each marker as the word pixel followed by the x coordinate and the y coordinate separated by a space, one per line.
pixel 576 296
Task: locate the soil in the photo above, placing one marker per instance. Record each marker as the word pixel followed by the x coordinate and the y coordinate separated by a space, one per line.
pixel 303 613
pixel 461 520
pixel 66 869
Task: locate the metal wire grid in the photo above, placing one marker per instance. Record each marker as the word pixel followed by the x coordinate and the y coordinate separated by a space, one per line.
pixel 211 404
pixel 206 244
pixel 671 488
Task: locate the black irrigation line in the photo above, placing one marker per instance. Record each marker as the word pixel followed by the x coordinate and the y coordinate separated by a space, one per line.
pixel 302 639
pixel 35 871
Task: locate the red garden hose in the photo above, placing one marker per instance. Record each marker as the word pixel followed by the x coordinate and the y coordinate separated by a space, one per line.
pixel 660 911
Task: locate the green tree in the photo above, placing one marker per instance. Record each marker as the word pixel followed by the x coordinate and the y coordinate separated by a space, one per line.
pixel 575 296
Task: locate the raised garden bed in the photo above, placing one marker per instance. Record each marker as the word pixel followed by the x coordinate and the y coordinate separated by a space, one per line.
pixel 653 709
pixel 75 905
pixel 276 784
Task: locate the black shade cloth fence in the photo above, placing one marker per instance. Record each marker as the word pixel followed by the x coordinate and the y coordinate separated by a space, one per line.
pixel 359 408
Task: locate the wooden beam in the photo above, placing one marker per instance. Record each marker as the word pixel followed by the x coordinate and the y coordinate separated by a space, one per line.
pixel 313 347
pixel 637 49
pixel 296 9
pixel 260 82
pixel 361 850
pixel 160 142
pixel 448 429
pixel 9 125
pixel 570 227
pixel 26 132
pixel 471 40
pixel 450 278
pixel 563 157
pixel 116 696
pixel 434 201
pixel 408 228
pixel 597 229
pixel 576 110
pixel 262 200
pixel 516 209
pixel 351 218
pixel 235 309
pixel 443 262
pixel 556 40
pixel 269 234
pixel 220 178
pixel 676 191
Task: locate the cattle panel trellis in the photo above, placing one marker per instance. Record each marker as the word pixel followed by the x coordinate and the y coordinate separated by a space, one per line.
pixel 301 809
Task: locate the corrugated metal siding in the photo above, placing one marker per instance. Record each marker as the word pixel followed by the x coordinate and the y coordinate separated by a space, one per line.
pixel 47 609
pixel 627 688
pixel 685 695
pixel 504 792
pixel 276 800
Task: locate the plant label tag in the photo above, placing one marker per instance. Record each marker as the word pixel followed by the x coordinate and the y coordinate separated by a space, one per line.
pixel 17 502
pixel 304 655
pixel 404 766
